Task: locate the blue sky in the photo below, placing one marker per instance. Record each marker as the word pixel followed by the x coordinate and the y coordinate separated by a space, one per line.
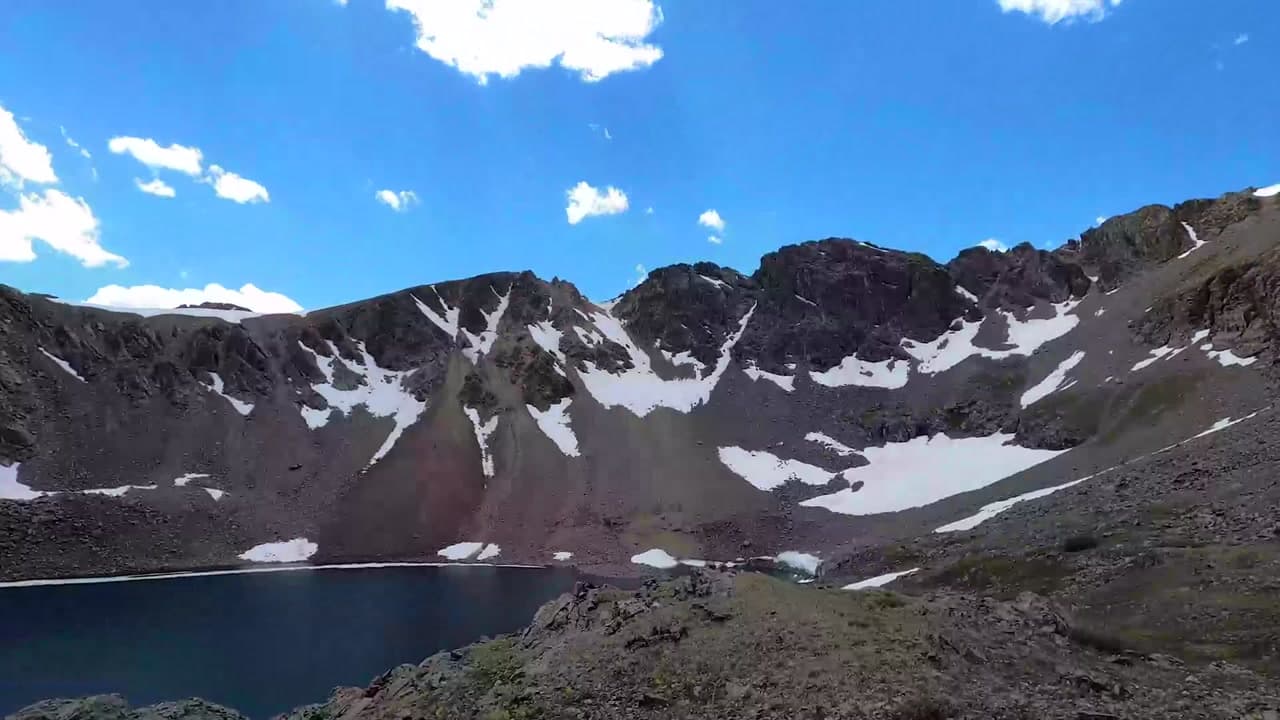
pixel 915 124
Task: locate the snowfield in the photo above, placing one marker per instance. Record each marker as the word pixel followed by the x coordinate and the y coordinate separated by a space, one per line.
pixel 925 470
pixel 879 580
pixel 1056 380
pixel 381 392
pixel 554 423
pixel 639 389
pixel 767 471
pixel 295 550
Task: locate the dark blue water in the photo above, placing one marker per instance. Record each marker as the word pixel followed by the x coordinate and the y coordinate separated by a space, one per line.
pixel 261 644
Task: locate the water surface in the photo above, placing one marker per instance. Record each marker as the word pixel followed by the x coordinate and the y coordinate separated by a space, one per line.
pixel 260 643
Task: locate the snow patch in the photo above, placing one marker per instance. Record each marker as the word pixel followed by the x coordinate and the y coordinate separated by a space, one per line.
pixel 489 551
pixel 1025 336
pixel 182 480
pixel 295 550
pixel 656 558
pixel 554 423
pixel 481 344
pixel 66 366
pixel 1196 242
pixel 767 471
pixel 11 489
pixel 216 388
pixel 1223 424
pixel 639 389
pixel 1056 380
pixel 1226 358
pixel 718 283
pixel 1099 312
pixel 891 373
pixel 925 470
pixel 561 556
pixel 966 294
pixel 116 491
pixel 214 493
pixel 806 300
pixel 483 431
pixel 803 562
pixel 382 394
pixel 990 510
pixel 879 580
pixel 830 443
pixel 447 322
pixel 1267 191
pixel 1157 354
pixel 786 382
pixel 460 551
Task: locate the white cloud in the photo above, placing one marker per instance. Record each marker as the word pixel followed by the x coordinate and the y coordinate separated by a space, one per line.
pixel 586 201
pixel 233 187
pixel 648 210
pixel 641 274
pixel 994 245
pixel 22 160
pixel 1100 219
pixel 62 222
pixel 714 240
pixel 1241 39
pixel 1056 11
pixel 156 187
pixel 604 131
pixel 154 296
pixel 150 153
pixel 398 201
pixel 594 38
pixel 711 219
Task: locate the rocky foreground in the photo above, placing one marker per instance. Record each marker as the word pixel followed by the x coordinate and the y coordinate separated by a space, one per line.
pixel 713 645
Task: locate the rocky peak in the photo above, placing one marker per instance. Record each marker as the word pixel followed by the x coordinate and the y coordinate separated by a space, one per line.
pixel 1018 278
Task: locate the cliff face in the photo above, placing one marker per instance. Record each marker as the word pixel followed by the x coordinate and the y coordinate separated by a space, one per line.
pixel 705 412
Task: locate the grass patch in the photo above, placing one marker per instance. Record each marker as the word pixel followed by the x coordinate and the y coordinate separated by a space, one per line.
pixel 1003 576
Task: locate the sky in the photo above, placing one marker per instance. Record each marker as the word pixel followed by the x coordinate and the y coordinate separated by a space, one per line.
pixel 305 153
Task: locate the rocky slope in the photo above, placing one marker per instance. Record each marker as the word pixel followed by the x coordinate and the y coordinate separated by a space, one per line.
pixel 840 397
pixel 749 646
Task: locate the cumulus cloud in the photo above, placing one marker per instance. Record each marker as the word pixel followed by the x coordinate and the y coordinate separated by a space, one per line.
pixel 154 296
pixel 1056 11
pixel 183 159
pixel 480 38
pixel 22 160
pixel 994 245
pixel 586 201
pixel 235 188
pixel 156 187
pixel 398 201
pixel 714 239
pixel 62 222
pixel 711 219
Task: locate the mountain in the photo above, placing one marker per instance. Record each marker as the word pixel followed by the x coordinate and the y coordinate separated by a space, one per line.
pixel 841 401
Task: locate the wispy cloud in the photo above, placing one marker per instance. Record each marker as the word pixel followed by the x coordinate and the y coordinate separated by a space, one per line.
pixel 1241 39
pixel 1056 11
pixel 156 187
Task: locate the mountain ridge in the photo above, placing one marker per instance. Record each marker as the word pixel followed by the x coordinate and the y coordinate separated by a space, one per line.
pixel 512 411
